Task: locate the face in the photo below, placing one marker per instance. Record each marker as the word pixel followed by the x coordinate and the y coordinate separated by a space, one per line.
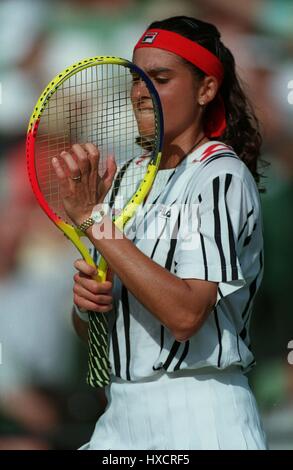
pixel 176 85
pixel 143 109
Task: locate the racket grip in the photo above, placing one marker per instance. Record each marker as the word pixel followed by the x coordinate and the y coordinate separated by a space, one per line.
pixel 101 276
pixel 101 273
pixel 102 270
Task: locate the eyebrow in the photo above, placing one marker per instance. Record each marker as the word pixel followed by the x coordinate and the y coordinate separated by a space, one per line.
pixel 155 70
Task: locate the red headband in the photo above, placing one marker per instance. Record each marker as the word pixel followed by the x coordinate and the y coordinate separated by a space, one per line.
pixel 215 122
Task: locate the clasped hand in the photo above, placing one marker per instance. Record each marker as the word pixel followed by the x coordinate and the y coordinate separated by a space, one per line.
pixel 81 185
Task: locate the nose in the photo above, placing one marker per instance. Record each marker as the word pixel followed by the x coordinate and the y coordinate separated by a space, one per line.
pixel 140 89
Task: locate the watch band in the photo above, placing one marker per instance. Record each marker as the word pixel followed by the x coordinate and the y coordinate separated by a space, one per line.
pixel 87 223
pixel 96 217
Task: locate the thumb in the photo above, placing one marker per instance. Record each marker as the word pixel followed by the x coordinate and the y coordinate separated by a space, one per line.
pixel 85 268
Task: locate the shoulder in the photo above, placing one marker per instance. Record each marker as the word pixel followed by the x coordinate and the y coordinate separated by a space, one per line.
pixel 219 174
pixel 218 160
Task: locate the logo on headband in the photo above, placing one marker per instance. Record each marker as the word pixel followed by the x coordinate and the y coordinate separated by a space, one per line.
pixel 149 38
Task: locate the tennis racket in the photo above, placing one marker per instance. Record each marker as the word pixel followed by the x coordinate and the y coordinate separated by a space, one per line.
pixel 96 100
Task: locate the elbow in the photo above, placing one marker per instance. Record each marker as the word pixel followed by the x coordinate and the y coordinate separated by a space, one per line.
pixel 193 321
pixel 184 330
pixel 181 335
pixel 192 317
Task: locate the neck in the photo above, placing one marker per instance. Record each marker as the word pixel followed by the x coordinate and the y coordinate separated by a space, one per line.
pixel 176 149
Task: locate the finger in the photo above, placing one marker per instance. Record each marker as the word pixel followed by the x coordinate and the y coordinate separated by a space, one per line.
pixel 109 174
pixel 93 153
pixel 97 299
pixel 94 158
pixel 82 158
pixel 70 163
pixel 62 177
pixel 93 286
pixel 60 173
pixel 88 305
pixel 111 169
pixel 85 268
pixel 103 308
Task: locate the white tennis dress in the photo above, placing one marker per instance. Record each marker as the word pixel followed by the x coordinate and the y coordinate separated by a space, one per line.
pixel 202 220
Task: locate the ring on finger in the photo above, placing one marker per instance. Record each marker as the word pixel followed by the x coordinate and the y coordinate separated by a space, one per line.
pixel 76 178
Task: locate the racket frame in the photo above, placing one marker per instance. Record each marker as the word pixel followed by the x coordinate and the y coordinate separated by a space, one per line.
pixel 71 232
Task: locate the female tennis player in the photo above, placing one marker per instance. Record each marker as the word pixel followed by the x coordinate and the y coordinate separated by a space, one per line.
pixel 187 268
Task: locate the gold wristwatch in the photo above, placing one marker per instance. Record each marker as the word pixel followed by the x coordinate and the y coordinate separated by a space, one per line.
pixel 96 217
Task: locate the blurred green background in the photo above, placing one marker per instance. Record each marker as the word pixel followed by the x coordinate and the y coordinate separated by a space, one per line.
pixel 44 401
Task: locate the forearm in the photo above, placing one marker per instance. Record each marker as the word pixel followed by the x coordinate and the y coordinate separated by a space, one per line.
pixel 165 295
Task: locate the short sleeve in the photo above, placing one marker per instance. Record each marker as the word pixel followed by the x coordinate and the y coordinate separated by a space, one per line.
pixel 210 249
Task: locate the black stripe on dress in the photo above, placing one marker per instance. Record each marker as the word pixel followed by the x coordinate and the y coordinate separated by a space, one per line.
pixel 159 236
pixel 162 345
pixel 204 255
pixel 217 221
pixel 220 292
pixel 248 238
pixel 173 243
pixel 183 356
pixel 170 177
pixel 233 256
pixel 243 228
pixel 116 353
pixel 219 336
pixel 261 260
pixel 126 317
pixel 162 337
pixel 158 239
pixel 172 354
pixel 216 157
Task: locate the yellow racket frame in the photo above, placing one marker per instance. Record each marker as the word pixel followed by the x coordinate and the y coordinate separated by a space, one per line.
pixel 72 233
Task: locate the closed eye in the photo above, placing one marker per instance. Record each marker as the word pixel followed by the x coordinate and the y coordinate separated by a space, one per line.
pixel 162 79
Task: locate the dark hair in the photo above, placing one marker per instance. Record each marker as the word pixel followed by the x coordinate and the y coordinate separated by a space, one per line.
pixel 242 132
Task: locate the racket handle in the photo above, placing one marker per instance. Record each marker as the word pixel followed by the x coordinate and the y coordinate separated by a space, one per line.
pixel 102 269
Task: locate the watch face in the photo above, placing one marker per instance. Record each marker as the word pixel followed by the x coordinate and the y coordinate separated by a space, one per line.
pixel 97 216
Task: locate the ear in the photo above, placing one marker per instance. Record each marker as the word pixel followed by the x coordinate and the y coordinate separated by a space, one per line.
pixel 208 90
